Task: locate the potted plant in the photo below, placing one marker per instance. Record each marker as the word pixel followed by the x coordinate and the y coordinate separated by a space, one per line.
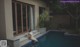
pixel 43 18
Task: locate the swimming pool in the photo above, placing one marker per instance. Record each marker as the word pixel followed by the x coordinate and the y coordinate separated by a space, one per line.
pixel 56 39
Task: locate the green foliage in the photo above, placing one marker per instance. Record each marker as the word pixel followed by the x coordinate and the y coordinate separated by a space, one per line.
pixel 43 18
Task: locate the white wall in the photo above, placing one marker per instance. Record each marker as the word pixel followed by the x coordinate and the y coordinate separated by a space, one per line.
pixel 8 19
pixel 2 20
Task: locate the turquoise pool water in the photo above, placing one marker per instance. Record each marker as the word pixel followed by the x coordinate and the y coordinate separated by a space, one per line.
pixel 56 39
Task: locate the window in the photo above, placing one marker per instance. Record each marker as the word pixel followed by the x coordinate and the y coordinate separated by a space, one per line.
pixel 23 17
pixel 31 17
pixel 41 17
pixel 19 17
pixel 41 10
pixel 14 17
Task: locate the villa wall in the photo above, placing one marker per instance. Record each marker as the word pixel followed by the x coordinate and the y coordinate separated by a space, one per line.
pixel 6 29
pixel 6 22
pixel 2 20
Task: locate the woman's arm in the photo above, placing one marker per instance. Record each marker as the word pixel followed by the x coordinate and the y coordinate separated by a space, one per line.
pixel 29 36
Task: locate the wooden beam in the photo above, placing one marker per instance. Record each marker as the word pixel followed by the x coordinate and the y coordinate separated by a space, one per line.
pixel 16 17
pixel 26 20
pixel 22 16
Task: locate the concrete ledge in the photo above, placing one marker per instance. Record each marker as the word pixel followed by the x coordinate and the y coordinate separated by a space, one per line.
pixel 18 37
pixel 66 33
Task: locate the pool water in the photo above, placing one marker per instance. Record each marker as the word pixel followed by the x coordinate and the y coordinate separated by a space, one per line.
pixel 56 39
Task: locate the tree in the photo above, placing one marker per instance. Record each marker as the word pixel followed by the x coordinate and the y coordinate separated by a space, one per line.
pixel 72 9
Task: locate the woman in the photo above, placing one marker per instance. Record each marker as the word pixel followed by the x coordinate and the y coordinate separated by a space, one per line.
pixel 31 37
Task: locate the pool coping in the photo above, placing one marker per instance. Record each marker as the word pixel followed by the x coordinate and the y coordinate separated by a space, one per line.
pixel 66 33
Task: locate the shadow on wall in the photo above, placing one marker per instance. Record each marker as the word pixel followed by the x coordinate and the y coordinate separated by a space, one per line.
pixel 62 23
